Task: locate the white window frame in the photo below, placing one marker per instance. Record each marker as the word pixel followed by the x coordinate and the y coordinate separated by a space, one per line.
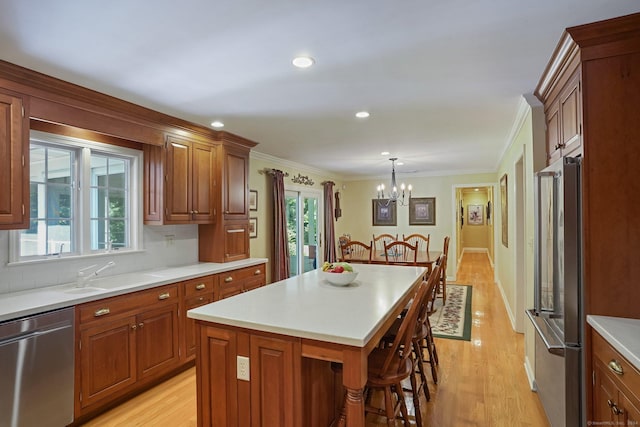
pixel 82 232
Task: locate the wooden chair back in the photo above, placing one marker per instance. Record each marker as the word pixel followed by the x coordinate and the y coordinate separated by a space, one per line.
pixel 402 342
pixel 419 239
pixel 380 240
pixel 355 249
pixel 399 252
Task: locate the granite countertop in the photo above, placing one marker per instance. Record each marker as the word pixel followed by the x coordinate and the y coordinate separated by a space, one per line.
pixel 307 306
pixel 623 334
pixel 25 303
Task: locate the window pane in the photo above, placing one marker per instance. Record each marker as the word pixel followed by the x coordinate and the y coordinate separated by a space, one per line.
pixel 117 204
pixel 59 164
pixel 99 202
pixel 117 173
pixel 59 202
pixel 59 232
pixel 98 170
pixel 117 231
pixel 37 198
pixel 98 234
pixel 30 240
pixel 37 163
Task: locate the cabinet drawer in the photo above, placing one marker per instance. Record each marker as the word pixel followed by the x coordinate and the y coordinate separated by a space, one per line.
pixel 201 285
pixel 110 307
pixel 614 361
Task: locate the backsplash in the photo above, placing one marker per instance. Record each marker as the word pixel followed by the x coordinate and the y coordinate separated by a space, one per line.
pixel 157 253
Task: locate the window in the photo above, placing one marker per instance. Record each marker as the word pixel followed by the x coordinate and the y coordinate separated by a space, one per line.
pixel 69 217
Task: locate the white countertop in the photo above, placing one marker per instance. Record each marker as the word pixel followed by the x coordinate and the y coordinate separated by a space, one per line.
pixel 623 334
pixel 307 306
pixel 19 304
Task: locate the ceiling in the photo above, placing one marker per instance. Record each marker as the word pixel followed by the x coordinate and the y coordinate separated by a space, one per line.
pixel 441 80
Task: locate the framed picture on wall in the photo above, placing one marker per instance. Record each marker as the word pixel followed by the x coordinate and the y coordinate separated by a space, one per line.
pixel 422 211
pixel 253 200
pixel 504 210
pixel 253 228
pixel 383 212
pixel 476 216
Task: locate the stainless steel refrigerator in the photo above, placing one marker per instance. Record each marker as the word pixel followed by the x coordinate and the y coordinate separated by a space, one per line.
pixel 557 315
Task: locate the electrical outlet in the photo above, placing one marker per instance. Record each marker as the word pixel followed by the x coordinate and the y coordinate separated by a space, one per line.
pixel 169 239
pixel 242 368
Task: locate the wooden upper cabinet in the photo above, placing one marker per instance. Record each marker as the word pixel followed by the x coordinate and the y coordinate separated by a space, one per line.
pixel 179 182
pixel 236 184
pixel 14 160
pixel 571 115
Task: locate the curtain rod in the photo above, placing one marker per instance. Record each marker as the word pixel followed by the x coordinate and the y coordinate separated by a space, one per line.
pixel 269 171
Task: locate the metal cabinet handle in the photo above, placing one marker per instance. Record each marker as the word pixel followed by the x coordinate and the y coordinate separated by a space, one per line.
pixel 196 212
pixel 616 410
pixel 257 272
pixel 200 287
pixel 228 279
pixel 134 327
pixel 201 299
pixel 141 325
pixel 164 296
pixel 101 312
pixel 615 367
pixel 610 403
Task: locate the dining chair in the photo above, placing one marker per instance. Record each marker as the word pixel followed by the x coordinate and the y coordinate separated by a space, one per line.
pixel 400 252
pixel 421 240
pixel 355 250
pixel 389 365
pixel 442 285
pixel 380 240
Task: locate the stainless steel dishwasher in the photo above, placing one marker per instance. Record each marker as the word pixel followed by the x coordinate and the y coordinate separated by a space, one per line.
pixel 36 370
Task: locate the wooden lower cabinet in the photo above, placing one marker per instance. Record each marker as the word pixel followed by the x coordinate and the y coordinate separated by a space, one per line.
pixel 107 359
pixel 272 397
pixel 245 279
pixel 125 342
pixel 616 387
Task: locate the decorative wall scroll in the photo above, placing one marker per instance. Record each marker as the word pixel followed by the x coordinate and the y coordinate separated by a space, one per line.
pixel 476 216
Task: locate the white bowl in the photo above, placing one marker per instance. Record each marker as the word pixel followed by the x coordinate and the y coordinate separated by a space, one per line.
pixel 339 279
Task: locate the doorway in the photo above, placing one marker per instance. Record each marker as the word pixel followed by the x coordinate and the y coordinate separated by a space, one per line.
pixel 304 219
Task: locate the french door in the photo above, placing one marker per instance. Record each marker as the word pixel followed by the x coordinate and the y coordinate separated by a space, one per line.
pixel 304 222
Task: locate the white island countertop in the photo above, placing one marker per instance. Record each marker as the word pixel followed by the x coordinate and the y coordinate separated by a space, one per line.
pixel 25 303
pixel 307 306
pixel 623 334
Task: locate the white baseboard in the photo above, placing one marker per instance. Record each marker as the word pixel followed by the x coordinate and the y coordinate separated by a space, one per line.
pixel 530 374
pixel 505 301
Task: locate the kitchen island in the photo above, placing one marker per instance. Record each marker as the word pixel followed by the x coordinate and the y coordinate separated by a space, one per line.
pixel 254 350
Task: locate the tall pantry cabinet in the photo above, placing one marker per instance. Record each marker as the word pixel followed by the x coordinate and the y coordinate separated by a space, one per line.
pixel 591 94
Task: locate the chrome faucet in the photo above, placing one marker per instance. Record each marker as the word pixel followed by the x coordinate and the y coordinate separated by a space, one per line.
pixel 83 277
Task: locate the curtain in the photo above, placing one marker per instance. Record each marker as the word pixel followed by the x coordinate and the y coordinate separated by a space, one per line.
pixel 280 264
pixel 329 230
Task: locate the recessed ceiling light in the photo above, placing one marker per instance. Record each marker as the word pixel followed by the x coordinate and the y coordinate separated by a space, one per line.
pixel 476 189
pixel 384 153
pixel 303 61
pixel 399 163
pixel 217 124
pixel 362 114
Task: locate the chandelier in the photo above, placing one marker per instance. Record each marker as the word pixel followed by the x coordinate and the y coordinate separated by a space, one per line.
pixel 395 195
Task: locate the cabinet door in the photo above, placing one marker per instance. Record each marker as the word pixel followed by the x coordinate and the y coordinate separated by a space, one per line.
pixel 178 204
pixel 229 286
pixel 631 413
pixel 604 395
pixel 153 183
pixel 273 382
pixel 157 340
pixel 190 324
pixel 203 189
pixel 553 133
pixel 571 125
pixel 236 184
pixel 236 241
pixel 107 359
pixel 14 161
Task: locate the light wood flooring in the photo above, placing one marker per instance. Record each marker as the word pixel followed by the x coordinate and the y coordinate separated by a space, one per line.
pixel 481 382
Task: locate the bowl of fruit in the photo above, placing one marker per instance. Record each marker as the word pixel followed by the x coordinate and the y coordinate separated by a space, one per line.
pixel 338 273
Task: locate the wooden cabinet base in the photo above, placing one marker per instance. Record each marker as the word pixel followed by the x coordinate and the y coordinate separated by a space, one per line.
pixel 285 388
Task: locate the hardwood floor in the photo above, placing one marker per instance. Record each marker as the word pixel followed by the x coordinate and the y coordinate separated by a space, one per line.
pixel 481 382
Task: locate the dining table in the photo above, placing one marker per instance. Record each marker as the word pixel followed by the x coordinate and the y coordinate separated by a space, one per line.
pixel 423 259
